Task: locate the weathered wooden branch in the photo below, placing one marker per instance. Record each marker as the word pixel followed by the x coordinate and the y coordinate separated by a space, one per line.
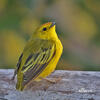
pixel 74 85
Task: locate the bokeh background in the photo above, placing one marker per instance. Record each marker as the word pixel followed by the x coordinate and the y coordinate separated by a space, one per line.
pixel 78 27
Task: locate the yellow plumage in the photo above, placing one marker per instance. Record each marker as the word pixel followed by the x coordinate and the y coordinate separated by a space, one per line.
pixel 39 57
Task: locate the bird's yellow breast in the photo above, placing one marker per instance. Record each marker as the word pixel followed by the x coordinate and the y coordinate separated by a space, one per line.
pixel 52 64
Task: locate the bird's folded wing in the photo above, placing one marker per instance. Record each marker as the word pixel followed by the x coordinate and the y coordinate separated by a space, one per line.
pixel 37 61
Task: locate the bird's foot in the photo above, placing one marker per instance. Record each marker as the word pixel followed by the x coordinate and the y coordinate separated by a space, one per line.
pixel 53 80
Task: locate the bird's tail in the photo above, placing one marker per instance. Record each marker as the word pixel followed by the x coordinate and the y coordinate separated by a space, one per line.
pixel 19 85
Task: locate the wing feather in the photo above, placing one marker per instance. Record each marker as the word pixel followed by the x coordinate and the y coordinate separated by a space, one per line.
pixel 43 60
pixel 37 59
pixel 18 66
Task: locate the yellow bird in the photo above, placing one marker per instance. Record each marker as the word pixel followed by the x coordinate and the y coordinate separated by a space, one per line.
pixel 39 57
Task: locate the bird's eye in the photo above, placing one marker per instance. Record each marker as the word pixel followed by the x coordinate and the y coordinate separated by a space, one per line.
pixel 44 29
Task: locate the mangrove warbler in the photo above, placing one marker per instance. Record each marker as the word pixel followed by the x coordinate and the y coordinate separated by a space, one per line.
pixel 39 57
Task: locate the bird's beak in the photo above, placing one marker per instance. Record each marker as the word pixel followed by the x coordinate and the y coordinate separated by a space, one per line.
pixel 53 24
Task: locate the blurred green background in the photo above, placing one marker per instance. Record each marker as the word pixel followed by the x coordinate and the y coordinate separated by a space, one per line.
pixel 78 27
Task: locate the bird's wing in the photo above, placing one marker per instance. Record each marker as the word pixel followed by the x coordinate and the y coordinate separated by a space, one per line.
pixel 36 59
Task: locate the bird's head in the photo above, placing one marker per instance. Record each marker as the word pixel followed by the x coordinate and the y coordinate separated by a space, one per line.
pixel 46 31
